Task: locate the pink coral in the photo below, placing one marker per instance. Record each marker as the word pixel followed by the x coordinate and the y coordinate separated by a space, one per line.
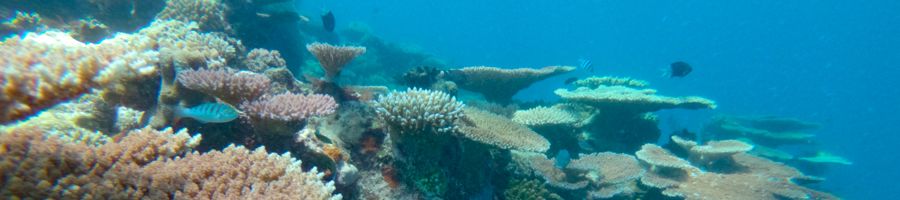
pixel 333 58
pixel 290 107
pixel 228 85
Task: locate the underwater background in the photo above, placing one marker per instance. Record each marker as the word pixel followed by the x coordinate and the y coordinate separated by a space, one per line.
pixel 832 63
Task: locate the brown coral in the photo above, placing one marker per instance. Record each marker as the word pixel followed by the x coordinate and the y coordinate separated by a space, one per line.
pixel 499 131
pixel 498 84
pixel 41 70
pixel 259 60
pixel 143 164
pixel 334 58
pixel 210 14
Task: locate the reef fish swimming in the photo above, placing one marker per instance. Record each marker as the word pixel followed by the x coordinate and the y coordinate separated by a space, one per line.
pixel 586 64
pixel 328 21
pixel 679 69
pixel 208 113
pixel 562 159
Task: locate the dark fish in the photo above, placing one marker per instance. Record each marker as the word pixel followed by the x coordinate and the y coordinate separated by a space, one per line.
pixel 328 21
pixel 562 159
pixel 586 64
pixel 570 80
pixel 680 69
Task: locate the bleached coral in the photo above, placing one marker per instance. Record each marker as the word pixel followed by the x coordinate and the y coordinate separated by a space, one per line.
pixel 496 130
pixel 416 110
pixel 498 84
pixel 62 121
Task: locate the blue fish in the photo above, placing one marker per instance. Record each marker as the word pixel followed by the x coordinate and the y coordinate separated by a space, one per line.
pixel 208 113
pixel 586 64
pixel 562 159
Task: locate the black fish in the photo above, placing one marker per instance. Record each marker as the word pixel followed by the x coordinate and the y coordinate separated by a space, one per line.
pixel 328 21
pixel 680 69
pixel 570 80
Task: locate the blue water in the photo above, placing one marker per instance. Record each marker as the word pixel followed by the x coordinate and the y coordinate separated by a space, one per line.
pixel 828 61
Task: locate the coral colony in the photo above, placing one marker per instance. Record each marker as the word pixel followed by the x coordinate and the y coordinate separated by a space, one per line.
pixel 92 106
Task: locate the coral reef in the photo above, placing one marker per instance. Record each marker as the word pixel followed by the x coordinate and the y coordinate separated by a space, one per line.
pixel 334 58
pixel 209 14
pixel 498 84
pixel 227 85
pixel 45 69
pixel 289 107
pixel 417 110
pixel 595 82
pixel 499 131
pixel 259 60
pixel 545 116
pixel 146 161
pixel 633 100
pixel 758 179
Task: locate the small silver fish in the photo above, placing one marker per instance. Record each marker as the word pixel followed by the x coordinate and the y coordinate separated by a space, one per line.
pixel 208 113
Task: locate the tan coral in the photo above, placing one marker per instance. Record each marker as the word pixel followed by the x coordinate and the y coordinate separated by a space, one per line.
pixel 499 131
pixel 44 69
pixel 210 14
pixel 614 168
pixel 143 164
pixel 498 84
pixel 228 85
pixel 334 58
pixel 634 100
pixel 545 116
pixel 594 82
pixel 62 121
pixel 259 60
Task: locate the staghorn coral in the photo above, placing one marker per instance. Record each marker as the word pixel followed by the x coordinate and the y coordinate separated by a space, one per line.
pixel 228 85
pixel 77 121
pixel 143 164
pixel 44 69
pixel 633 100
pixel 289 107
pixel 416 110
pixel 594 82
pixel 488 128
pixel 209 14
pixel 259 60
pixel 545 116
pixel 334 58
pixel 498 84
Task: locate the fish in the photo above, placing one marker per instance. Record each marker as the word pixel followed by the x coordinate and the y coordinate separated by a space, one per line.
pixel 328 21
pixel 281 16
pixel 679 69
pixel 570 80
pixel 208 113
pixel 562 159
pixel 586 64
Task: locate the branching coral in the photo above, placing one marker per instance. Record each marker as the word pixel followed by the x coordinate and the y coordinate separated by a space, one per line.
pixel 289 107
pixel 210 14
pixel 41 70
pixel 499 131
pixel 143 164
pixel 228 85
pixel 334 58
pixel 259 60
pixel 498 84
pixel 416 110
